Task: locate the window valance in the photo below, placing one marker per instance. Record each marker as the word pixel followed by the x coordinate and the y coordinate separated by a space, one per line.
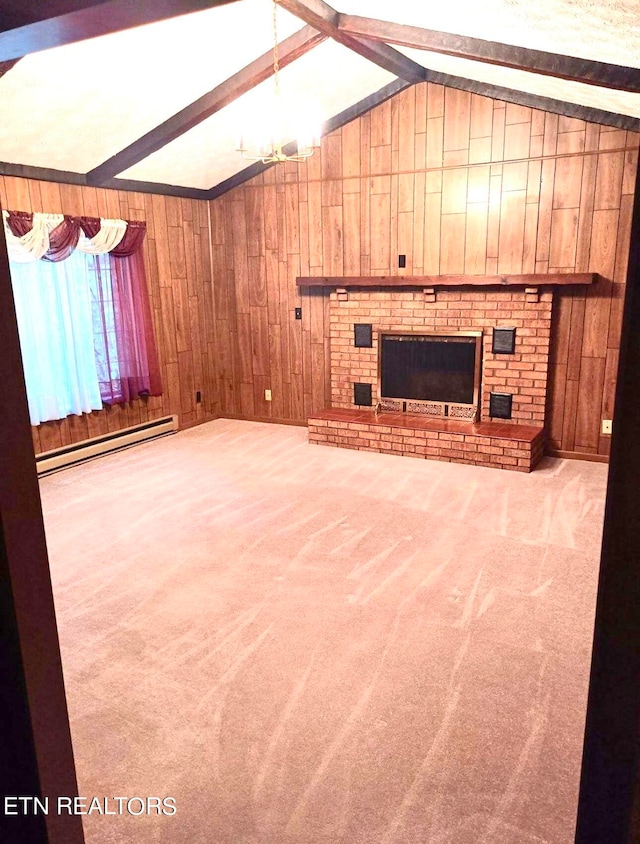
pixel 53 237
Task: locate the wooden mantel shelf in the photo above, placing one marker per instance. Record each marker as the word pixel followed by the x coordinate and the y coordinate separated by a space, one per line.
pixel 528 280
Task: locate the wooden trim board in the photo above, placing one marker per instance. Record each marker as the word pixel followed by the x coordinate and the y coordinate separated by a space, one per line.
pixel 526 280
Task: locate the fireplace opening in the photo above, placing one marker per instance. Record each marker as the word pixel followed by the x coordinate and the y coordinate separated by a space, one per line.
pixel 442 371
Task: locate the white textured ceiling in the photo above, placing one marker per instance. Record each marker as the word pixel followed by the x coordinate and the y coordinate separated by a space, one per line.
pixel 604 99
pixel 207 154
pixel 604 30
pixel 73 107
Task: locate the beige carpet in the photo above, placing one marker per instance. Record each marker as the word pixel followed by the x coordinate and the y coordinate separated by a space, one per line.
pixel 311 645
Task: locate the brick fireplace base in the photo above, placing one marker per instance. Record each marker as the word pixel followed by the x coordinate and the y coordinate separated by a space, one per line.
pixel 494 444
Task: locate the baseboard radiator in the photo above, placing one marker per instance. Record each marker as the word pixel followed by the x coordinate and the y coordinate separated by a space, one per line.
pixel 60 458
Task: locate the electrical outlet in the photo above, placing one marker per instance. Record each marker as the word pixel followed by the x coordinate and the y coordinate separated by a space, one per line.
pixel 267 395
pixel 606 426
pixel 298 313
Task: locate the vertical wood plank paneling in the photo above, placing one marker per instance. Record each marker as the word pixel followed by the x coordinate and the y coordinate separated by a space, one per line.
pixel 609 180
pixel 596 320
pixel 589 403
pixel 352 243
pixel 567 185
pixel 481 118
pixel 16 196
pixel 454 191
pixel 255 244
pixel 271 282
pixel 585 215
pixel 380 227
pixel 610 375
pixel 576 331
pixel 457 119
pixel 407 131
pixel 244 370
pixel 475 254
pixel 432 227
pixel 314 195
pixel 602 253
pixel 452 243
pixel 240 255
pixel 418 217
pixel 569 142
pixel 276 381
pixel 550 135
pixel 50 196
pixel 511 238
pixel 435 141
pixel 493 225
pixel 517 137
pixel 259 332
pixel 393 229
pixel 622 253
pixel 351 140
pixel 404 244
pixel 410 177
pixel 568 438
pixel 333 259
pixel 497 132
pixel 564 236
pixel 557 389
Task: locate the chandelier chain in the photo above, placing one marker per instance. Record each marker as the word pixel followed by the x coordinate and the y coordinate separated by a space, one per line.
pixel 271 151
pixel 276 57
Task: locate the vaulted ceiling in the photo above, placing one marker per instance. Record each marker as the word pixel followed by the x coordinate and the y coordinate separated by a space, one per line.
pixel 153 96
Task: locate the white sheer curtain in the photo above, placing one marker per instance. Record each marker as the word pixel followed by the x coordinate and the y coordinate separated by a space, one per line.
pixel 53 305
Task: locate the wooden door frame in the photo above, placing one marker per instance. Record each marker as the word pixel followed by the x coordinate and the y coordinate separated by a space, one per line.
pixel 36 758
pixel 608 808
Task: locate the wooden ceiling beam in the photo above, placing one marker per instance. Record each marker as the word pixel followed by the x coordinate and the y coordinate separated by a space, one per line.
pixel 523 98
pixel 39 26
pixel 5 67
pixel 290 49
pixel 585 71
pixel 68 177
pixel 324 18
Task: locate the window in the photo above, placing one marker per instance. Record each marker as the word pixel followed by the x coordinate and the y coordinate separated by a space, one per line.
pixel 85 332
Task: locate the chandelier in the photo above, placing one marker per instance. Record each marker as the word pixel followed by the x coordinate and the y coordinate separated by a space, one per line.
pixel 268 142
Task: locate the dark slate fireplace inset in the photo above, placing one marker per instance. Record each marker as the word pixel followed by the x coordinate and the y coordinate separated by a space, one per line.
pixel 436 374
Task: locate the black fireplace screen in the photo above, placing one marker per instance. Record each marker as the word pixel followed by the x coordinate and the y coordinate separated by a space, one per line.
pixel 428 367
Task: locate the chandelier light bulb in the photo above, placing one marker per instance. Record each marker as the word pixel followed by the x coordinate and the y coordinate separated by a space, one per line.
pixel 274 129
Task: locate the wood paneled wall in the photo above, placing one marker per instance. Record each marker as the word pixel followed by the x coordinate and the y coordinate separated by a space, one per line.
pixel 178 274
pixel 458 183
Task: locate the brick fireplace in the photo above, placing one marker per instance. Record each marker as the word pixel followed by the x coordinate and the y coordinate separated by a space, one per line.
pixel 522 374
pixel 512 383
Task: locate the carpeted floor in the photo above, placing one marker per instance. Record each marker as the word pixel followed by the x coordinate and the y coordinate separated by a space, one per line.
pixel 308 645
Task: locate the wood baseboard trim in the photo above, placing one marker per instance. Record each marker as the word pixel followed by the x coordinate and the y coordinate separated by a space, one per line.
pixel 577 455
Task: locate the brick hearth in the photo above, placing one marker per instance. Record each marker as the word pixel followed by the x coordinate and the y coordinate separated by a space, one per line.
pixel 493 444
pixel 517 444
